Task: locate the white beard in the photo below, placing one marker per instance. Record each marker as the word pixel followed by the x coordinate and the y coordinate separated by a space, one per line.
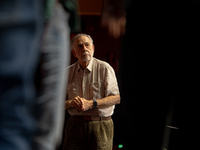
pixel 86 58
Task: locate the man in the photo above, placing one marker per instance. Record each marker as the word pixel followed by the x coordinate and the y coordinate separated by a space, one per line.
pixel 92 92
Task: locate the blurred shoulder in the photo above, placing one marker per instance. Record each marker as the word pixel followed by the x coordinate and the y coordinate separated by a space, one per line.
pixel 72 67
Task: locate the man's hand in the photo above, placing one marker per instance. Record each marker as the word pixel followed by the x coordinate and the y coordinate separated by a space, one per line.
pixel 81 104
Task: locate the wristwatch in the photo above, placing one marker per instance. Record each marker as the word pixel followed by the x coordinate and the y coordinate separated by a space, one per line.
pixel 94 103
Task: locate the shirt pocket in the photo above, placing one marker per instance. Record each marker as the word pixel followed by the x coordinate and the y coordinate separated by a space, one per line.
pixel 72 90
pixel 96 90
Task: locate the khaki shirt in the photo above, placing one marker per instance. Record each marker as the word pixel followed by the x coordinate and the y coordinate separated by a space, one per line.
pixel 97 81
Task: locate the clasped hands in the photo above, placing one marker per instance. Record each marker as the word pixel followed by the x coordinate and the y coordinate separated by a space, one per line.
pixel 81 104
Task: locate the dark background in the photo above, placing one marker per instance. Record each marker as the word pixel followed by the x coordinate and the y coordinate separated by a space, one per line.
pixel 157 57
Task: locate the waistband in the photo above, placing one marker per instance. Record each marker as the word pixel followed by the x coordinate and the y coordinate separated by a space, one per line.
pixel 90 118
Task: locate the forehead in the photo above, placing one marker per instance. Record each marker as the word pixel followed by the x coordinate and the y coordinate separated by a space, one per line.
pixel 82 39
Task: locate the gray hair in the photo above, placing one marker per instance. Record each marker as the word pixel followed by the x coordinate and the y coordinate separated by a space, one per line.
pixel 80 34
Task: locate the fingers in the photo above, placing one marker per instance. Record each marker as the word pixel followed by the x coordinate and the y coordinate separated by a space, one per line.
pixel 78 100
pixel 81 104
pixel 78 104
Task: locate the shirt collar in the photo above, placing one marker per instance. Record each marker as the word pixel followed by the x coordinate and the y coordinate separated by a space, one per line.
pixel 89 67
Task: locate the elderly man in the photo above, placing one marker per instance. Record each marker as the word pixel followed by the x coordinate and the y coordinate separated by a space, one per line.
pixel 92 93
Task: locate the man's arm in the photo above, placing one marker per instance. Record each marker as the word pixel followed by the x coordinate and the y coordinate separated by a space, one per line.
pixel 82 104
pixel 68 104
pixel 73 104
pixel 108 101
pixel 77 103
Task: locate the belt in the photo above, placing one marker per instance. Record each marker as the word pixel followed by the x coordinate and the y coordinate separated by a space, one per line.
pixel 90 118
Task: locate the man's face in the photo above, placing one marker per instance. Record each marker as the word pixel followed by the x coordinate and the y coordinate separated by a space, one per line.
pixel 83 49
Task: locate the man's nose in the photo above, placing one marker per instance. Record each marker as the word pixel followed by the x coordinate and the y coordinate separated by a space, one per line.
pixel 84 48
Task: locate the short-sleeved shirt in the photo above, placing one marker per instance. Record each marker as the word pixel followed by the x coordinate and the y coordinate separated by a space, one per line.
pixel 96 81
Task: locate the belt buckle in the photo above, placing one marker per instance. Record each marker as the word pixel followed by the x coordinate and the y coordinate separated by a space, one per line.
pixel 87 118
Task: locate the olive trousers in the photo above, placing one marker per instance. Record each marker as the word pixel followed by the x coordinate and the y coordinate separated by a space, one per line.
pixel 88 135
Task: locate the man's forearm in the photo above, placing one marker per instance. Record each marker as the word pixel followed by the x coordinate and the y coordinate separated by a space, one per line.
pixel 81 104
pixel 68 104
pixel 108 101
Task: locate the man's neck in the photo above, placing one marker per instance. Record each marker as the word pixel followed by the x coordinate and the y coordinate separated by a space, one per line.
pixel 84 64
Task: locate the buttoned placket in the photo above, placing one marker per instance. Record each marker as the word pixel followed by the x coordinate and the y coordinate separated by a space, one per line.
pixel 83 83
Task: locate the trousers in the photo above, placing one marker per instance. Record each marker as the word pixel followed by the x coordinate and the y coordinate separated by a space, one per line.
pixel 88 135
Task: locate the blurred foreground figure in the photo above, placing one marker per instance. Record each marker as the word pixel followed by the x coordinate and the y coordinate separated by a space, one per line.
pixel 33 58
pixel 54 49
pixel 155 33
pixel 21 25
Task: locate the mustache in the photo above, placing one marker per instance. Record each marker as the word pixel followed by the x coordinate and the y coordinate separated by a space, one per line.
pixel 85 53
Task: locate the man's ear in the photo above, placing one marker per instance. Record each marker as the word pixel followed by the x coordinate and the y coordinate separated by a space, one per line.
pixel 74 53
pixel 93 48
